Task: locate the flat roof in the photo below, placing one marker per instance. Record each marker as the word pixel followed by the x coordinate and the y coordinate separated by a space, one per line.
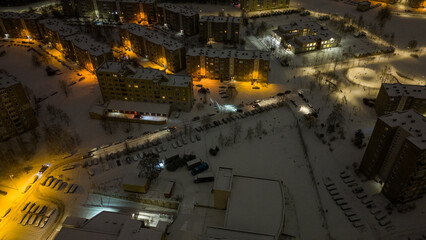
pixel 7 80
pixel 110 226
pixel 256 205
pixel 152 36
pixel 223 180
pixel 219 19
pixel 412 122
pixel 88 43
pixel 215 233
pixel 156 75
pixel 59 26
pixel 146 107
pixel 178 9
pixel 229 53
pixel 398 89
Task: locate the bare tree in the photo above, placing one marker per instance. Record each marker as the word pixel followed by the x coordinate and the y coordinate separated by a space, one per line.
pixel 148 166
pixel 250 133
pixel 259 128
pixel 64 87
pixel 235 131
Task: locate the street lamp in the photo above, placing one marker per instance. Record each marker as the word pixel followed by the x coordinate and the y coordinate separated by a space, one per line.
pixel 11 179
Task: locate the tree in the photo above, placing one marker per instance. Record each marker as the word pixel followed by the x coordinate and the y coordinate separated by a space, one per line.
pixel 205 120
pixel 259 128
pixel 236 131
pixel 261 29
pixel 250 133
pixel 64 87
pixel 148 166
pixel 383 16
pixel 335 118
pixel 412 44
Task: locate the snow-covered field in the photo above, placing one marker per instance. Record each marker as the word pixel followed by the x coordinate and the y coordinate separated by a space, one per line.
pixel 289 150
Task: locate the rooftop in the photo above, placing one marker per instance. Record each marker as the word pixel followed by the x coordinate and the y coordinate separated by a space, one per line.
pixel 59 26
pixel 228 53
pixel 10 15
pixel 412 122
pixel 155 75
pixel 220 19
pixel 214 233
pixel 263 199
pixel 110 226
pixel 7 80
pixel 177 9
pixel 397 89
pixel 143 107
pixel 223 179
pixel 88 43
pixel 152 36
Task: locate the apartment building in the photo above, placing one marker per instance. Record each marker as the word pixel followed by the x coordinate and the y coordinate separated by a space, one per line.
pixel 220 29
pixel 16 25
pixel 120 81
pixel 228 64
pixel 178 18
pixel 55 32
pixel 16 114
pixel 395 155
pixel 263 5
pixel 400 97
pixel 87 52
pixel 154 45
pixel 115 10
pixel 306 37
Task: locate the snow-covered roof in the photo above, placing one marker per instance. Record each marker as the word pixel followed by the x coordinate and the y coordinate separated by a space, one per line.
pixel 7 80
pixel 223 180
pixel 314 31
pixel 256 205
pixel 152 36
pixel 59 26
pixel 158 76
pixel 228 53
pixel 136 1
pixel 110 226
pixel 30 16
pixel 214 233
pixel 398 89
pixel 177 9
pixel 88 43
pixel 220 19
pixel 412 122
pixel 138 107
pixel 10 15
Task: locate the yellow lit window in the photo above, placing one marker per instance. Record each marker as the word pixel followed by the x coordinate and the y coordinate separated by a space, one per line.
pixel 136 86
pixel 164 97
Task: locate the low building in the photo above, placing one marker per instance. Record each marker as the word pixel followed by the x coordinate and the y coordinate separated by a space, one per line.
pixel 262 198
pixel 395 156
pixel 306 37
pixel 228 64
pixel 120 81
pixel 263 5
pixel 110 226
pixel 178 18
pixel 133 183
pixel 400 97
pixel 15 25
pixel 16 113
pixel 55 33
pixel 220 29
pixel 154 45
pixel 87 52
pixel 363 6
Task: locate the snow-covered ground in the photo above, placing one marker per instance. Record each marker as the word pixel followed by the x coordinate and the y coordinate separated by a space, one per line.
pixel 290 150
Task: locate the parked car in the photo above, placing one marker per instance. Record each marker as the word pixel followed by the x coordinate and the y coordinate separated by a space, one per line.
pixel 200 168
